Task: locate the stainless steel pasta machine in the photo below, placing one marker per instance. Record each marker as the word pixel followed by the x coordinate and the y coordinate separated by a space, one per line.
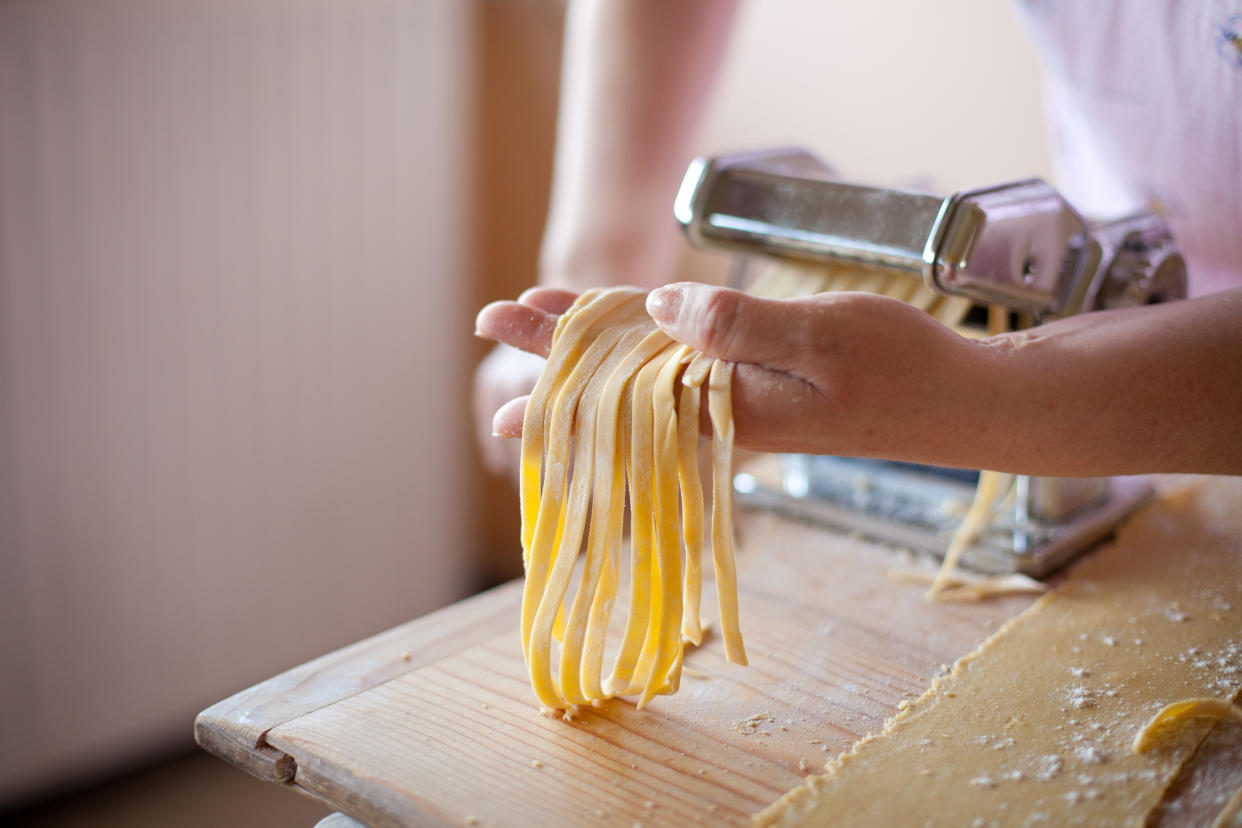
pixel 1020 247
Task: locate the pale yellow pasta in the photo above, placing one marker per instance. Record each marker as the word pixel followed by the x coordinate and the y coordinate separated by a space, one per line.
pixel 991 486
pixel 616 411
pixel 595 433
pixel 560 521
pixel 607 508
pixel 720 407
pixel 961 586
pixel 609 396
pixel 691 510
pixel 1172 715
pixel 573 329
pixel 668 545
pixel 637 644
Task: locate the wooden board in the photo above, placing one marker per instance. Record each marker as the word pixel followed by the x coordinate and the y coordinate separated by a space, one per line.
pixel 432 723
pixel 453 734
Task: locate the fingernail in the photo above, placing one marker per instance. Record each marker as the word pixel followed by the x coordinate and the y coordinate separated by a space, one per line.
pixel 664 304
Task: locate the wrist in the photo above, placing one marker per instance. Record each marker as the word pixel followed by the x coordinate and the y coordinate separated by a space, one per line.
pixel 983 404
pixel 595 251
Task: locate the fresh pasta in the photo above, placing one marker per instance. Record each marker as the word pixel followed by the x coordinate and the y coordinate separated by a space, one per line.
pixel 616 411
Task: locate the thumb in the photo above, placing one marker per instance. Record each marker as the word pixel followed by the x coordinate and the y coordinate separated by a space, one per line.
pixel 729 324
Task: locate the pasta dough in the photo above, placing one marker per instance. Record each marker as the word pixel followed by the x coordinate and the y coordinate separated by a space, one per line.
pixel 1036 727
pixel 604 419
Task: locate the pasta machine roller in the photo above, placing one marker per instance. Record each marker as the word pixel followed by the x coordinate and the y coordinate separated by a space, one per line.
pixel 1018 246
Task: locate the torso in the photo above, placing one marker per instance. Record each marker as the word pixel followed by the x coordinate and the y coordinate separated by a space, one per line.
pixel 1144 104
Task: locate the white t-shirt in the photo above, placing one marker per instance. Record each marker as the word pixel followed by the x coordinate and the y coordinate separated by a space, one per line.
pixel 1144 105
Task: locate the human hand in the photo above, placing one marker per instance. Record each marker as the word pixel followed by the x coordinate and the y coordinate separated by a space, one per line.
pixel 839 373
pixel 524 330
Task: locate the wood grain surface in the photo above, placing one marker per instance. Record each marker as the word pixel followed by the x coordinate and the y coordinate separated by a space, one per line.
pixel 452 736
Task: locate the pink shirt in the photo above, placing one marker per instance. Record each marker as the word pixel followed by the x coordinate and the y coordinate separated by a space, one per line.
pixel 1144 106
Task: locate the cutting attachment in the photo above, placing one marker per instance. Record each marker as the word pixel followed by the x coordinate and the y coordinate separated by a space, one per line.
pixel 1018 246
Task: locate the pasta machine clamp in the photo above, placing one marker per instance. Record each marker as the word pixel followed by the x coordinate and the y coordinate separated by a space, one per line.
pixel 1019 246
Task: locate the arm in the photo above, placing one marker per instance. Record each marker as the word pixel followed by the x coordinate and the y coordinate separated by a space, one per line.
pixel 1153 389
pixel 635 80
pixel 1156 388
pixel 1150 389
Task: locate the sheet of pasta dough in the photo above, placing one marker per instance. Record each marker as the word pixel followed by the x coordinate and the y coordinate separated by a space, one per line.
pixel 1034 728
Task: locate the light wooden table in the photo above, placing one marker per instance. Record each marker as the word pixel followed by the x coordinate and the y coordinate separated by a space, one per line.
pixel 433 722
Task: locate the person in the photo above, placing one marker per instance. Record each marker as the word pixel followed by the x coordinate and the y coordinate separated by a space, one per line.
pixel 1145 103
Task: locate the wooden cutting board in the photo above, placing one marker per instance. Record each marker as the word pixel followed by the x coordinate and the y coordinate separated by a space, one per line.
pixel 433 722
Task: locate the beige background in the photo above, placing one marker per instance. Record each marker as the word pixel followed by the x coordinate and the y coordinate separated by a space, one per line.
pixel 241 243
pixel 234 321
pixel 889 92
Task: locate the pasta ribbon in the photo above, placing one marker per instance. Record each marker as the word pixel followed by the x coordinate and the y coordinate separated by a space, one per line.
pixel 616 411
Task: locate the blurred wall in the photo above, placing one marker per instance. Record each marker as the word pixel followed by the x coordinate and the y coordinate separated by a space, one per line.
pixel 888 92
pixel 234 336
pixel 516 46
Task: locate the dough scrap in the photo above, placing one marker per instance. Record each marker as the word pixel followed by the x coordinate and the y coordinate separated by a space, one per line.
pixel 969 586
pixel 992 486
pixel 1036 726
pixel 1178 713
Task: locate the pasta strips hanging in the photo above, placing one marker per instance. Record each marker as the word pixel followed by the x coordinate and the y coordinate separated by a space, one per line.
pixel 615 410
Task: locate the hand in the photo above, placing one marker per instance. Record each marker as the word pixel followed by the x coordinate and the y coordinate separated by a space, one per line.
pixel 835 373
pixel 510 371
pixel 843 373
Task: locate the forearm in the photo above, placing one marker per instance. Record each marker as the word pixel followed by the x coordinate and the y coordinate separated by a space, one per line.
pixel 635 79
pixel 1152 389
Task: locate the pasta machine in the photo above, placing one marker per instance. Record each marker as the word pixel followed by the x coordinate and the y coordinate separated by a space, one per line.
pixel 1020 247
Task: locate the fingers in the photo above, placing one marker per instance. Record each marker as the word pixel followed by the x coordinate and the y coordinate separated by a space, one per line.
pixel 552 300
pixel 772 403
pixel 728 324
pixel 508 419
pixel 513 323
pixel 501 457
pixel 761 424
pixel 527 323
pixel 503 374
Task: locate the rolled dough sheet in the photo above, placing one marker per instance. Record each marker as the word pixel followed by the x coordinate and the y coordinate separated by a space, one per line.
pixel 1035 727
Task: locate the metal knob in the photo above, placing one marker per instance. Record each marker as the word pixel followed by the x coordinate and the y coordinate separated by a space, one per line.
pixel 1140 263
